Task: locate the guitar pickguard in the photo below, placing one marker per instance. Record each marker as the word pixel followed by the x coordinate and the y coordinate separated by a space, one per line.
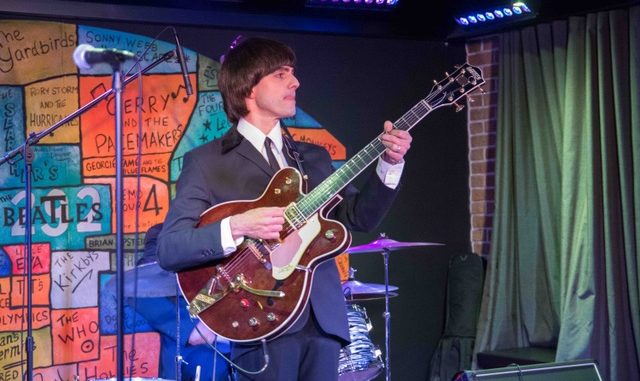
pixel 287 255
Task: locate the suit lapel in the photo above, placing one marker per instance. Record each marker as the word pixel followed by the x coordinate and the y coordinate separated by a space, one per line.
pixel 234 143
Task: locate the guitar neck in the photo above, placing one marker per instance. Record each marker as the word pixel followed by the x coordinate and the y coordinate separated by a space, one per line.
pixel 333 184
pixel 463 80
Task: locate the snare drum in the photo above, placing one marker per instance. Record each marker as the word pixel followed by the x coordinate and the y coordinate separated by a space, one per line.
pixel 361 360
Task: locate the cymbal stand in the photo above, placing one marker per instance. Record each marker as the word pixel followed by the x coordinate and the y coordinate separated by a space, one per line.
pixel 387 315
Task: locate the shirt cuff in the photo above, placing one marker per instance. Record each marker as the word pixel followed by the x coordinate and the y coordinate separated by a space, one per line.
pixel 229 245
pixel 389 173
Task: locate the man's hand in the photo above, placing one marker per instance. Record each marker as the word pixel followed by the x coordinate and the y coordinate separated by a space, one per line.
pixel 196 338
pixel 259 223
pixel 397 142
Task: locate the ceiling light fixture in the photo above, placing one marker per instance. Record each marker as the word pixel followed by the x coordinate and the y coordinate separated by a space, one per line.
pixel 517 9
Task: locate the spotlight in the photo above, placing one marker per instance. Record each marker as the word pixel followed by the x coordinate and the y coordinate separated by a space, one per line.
pixel 523 7
pixel 353 4
pixel 517 10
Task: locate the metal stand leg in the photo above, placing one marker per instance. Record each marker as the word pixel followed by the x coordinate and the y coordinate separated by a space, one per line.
pixel 179 360
pixel 387 316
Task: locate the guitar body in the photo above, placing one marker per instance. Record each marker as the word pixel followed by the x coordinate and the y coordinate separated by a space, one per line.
pixel 242 315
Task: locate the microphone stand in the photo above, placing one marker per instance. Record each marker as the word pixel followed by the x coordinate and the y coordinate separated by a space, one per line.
pixel 28 156
pixel 117 88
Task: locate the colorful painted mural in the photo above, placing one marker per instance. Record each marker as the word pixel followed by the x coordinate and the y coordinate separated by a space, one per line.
pixel 74 316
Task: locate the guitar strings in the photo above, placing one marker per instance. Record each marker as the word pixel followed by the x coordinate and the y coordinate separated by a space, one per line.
pixel 405 122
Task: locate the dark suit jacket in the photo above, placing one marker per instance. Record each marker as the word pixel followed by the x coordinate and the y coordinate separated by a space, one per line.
pixel 231 169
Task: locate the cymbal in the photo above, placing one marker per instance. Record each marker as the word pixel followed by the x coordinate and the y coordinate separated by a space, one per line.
pixel 383 244
pixel 354 290
pixel 152 282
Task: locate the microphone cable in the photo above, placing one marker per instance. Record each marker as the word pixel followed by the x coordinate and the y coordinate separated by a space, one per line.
pixel 228 360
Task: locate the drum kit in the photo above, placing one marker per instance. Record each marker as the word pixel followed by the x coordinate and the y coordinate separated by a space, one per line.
pixel 359 361
pixel 362 360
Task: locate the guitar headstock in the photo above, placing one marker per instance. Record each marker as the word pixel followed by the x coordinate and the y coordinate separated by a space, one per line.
pixel 454 86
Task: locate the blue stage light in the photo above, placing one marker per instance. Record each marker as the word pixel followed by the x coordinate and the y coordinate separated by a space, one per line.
pixel 509 11
pixel 354 4
pixel 522 6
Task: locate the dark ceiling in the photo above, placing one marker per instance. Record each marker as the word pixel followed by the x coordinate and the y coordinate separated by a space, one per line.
pixel 413 19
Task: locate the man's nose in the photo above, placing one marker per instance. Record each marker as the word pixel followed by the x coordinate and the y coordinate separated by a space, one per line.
pixel 294 82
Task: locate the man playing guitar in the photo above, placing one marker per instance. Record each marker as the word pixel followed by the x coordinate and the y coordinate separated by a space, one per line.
pixel 258 86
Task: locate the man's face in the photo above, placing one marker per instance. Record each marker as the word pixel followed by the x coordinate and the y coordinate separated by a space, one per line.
pixel 275 95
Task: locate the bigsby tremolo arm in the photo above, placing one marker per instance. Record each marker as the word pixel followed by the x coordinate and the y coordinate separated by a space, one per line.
pixel 240 282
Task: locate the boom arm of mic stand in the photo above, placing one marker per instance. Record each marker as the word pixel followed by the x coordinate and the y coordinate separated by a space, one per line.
pixel 34 138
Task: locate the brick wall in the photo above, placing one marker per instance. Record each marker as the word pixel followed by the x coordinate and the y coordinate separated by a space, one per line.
pixel 482 125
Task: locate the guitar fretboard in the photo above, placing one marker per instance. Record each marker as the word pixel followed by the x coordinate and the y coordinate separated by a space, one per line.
pixel 333 184
pixel 446 92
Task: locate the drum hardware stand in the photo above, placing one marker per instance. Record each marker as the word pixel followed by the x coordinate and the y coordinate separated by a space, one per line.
pixel 28 155
pixel 387 314
pixel 179 359
pixel 384 246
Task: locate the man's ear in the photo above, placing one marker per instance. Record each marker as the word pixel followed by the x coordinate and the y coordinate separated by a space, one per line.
pixel 252 93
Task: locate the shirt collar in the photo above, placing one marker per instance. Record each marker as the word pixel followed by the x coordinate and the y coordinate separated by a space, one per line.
pixel 257 137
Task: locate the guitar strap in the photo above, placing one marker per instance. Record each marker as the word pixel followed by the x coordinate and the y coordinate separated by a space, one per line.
pixel 295 154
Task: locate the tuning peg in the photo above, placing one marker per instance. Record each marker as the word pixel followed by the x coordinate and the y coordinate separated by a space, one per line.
pixel 481 90
pixel 457 66
pixel 435 82
pixel 458 107
pixel 446 73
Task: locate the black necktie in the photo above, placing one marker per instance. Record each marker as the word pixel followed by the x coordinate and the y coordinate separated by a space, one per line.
pixel 271 158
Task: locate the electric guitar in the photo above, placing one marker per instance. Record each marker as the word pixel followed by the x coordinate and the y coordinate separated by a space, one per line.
pixel 262 288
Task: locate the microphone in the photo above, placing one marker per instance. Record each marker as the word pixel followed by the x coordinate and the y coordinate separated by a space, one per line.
pixel 183 66
pixel 86 56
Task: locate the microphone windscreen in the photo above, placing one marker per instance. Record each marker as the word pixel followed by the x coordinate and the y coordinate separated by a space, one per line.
pixel 78 56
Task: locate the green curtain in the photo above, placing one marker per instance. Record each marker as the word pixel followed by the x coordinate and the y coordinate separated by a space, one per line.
pixel 563 270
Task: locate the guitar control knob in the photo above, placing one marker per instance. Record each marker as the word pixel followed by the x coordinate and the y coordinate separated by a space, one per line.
pixel 330 235
pixel 244 303
pixel 235 324
pixel 253 322
pixel 271 316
